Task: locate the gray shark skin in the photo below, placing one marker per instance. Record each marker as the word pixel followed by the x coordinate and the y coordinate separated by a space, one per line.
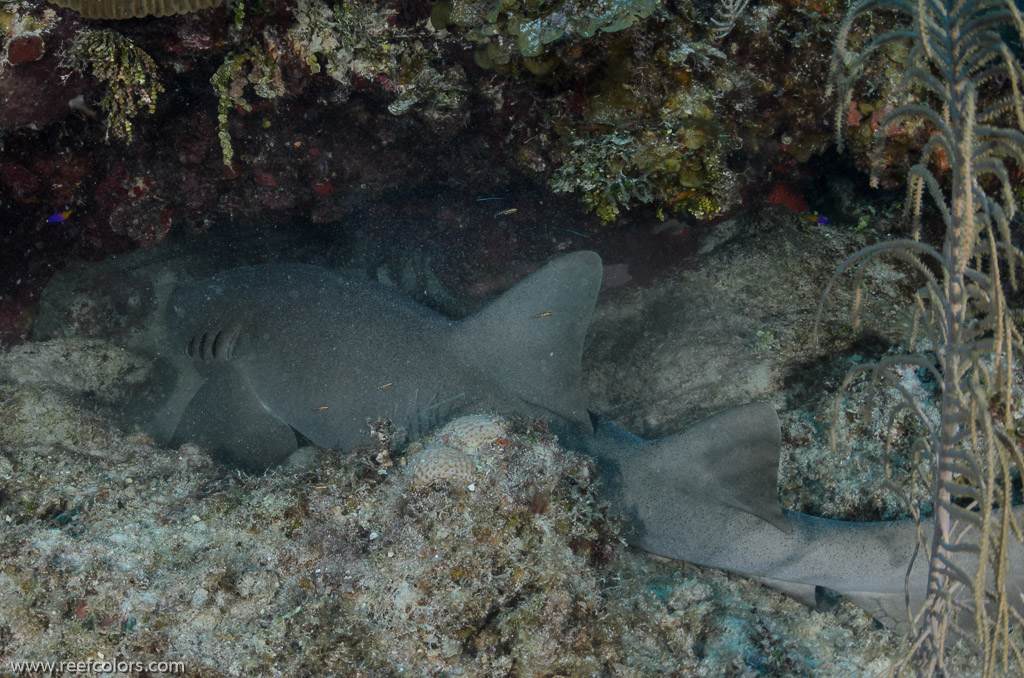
pixel 726 467
pixel 294 348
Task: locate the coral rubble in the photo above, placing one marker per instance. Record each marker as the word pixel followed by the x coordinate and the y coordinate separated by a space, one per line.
pixel 114 548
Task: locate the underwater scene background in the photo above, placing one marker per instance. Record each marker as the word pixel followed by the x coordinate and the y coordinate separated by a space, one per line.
pixel 448 150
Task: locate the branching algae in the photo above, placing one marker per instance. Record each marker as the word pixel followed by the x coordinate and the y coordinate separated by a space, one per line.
pixel 128 75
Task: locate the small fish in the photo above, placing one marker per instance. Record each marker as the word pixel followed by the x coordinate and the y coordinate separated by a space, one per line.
pixel 817 219
pixel 320 409
pixel 681 196
pixel 569 230
pixel 545 314
pixel 59 217
pixel 381 388
pixel 503 213
pixel 486 198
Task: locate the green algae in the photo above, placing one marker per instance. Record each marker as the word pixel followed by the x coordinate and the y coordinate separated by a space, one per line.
pixel 253 67
pixel 129 77
pixel 615 170
pixel 645 130
pixel 358 43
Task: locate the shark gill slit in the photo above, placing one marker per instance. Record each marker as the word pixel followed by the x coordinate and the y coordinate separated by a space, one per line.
pixel 235 339
pixel 224 343
pixel 219 345
pixel 207 345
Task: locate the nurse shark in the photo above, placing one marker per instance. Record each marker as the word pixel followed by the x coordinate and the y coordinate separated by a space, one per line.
pixel 290 349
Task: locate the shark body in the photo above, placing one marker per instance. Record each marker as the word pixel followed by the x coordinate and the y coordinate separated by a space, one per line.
pixel 298 348
pixel 726 467
pixel 288 349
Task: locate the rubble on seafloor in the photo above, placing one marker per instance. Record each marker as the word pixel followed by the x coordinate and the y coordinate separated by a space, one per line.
pixel 111 547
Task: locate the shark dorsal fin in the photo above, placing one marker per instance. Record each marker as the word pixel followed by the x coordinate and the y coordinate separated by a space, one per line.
pixel 529 341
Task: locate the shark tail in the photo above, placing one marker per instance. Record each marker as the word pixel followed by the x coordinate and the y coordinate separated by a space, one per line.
pixel 731 458
pixel 529 341
pixel 876 565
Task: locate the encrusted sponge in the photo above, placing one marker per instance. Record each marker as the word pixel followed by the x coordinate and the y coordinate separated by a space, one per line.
pixel 472 432
pixel 439 463
pixel 134 9
pixel 449 453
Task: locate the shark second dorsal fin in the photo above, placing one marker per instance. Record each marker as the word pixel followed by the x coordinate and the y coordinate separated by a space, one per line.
pixel 529 341
pixel 737 454
pixel 731 458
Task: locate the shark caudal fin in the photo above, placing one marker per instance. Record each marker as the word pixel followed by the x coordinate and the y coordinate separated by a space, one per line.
pixel 529 341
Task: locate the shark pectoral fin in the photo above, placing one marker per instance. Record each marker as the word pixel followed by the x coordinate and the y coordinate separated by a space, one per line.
pixel 737 453
pixel 227 420
pixel 529 341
